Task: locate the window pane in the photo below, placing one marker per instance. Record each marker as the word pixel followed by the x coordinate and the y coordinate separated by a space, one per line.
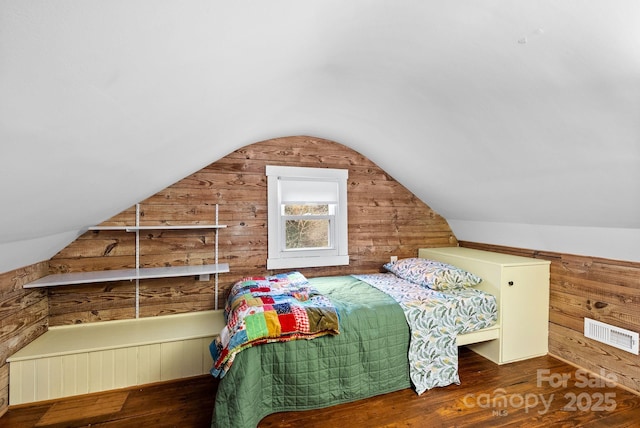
pixel 307 234
pixel 305 209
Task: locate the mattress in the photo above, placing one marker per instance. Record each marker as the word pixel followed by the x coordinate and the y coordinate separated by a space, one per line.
pixel 380 348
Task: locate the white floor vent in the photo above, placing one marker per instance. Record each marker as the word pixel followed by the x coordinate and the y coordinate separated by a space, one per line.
pixel 621 338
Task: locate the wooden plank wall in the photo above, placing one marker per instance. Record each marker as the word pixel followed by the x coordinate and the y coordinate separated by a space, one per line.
pixel 384 219
pixel 23 317
pixel 589 287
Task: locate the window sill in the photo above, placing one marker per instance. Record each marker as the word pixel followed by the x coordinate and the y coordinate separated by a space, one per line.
pixel 302 262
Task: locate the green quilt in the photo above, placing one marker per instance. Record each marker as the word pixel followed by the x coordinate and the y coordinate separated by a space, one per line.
pixel 367 358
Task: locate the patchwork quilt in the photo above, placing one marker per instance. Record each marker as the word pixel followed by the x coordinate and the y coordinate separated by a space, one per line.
pixel 275 308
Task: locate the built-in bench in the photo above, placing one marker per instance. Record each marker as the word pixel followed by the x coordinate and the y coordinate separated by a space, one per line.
pixel 92 357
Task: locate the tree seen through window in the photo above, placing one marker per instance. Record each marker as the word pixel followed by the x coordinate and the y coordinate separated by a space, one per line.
pixel 307 226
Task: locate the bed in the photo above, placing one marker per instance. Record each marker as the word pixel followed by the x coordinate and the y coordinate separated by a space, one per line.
pixel 398 329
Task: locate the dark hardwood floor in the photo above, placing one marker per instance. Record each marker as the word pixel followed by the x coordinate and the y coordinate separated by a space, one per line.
pixel 542 392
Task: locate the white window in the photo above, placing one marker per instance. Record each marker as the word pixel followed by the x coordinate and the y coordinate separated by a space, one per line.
pixel 307 217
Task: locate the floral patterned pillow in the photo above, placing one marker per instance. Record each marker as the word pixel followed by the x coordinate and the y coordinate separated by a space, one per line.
pixel 433 274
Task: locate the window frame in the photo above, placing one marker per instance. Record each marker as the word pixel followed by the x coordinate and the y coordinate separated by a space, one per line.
pixel 281 258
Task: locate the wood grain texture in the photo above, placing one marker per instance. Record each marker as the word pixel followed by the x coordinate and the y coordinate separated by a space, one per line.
pixel 23 317
pixel 384 219
pixel 589 287
pixel 93 407
pixel 4 388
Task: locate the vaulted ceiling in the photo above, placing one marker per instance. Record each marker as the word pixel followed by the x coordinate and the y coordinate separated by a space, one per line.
pixel 518 121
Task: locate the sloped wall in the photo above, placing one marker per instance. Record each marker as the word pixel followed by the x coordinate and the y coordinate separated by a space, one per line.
pixel 384 219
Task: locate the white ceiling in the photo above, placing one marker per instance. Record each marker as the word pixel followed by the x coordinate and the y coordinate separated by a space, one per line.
pixel 518 121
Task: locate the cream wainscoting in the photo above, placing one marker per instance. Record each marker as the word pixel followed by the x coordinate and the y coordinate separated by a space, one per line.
pixel 85 358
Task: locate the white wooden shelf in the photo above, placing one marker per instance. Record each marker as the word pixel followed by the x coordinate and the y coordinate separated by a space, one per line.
pixel 161 227
pixel 76 278
pixel 138 273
